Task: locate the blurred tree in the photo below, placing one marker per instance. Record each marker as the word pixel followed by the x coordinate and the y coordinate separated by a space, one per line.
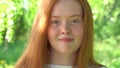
pixel 106 15
pixel 15 19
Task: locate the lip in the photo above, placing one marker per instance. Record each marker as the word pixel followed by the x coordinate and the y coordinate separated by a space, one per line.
pixel 66 39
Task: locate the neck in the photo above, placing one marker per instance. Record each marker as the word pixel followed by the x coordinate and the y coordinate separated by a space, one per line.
pixel 62 59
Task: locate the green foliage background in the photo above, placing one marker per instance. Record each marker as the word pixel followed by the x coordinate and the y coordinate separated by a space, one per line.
pixel 16 18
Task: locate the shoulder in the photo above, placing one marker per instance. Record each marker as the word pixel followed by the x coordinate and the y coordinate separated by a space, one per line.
pixel 103 67
pixel 96 66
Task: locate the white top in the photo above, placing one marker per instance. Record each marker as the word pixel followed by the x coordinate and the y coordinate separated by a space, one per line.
pixel 62 66
pixel 59 66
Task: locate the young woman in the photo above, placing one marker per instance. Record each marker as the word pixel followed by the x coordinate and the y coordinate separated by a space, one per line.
pixel 61 36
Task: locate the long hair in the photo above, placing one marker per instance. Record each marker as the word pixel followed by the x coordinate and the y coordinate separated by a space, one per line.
pixel 36 55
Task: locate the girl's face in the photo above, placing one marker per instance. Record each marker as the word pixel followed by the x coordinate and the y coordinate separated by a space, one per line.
pixel 65 30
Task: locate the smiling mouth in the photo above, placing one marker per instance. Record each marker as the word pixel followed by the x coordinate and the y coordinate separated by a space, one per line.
pixel 66 39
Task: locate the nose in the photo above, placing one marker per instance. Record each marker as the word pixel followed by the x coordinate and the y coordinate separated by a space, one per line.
pixel 65 29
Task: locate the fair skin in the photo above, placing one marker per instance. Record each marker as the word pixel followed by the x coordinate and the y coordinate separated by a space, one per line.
pixel 65 31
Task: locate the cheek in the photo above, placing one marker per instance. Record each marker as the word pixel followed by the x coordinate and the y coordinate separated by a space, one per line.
pixel 78 34
pixel 78 31
pixel 51 34
pixel 52 37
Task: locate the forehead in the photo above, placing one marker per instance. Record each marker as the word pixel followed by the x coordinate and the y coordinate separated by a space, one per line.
pixel 65 8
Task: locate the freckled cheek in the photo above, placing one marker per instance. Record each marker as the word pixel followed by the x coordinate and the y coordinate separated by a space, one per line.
pixel 52 32
pixel 78 32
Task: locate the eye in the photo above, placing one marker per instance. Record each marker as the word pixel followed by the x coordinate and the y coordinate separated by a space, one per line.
pixel 55 22
pixel 74 21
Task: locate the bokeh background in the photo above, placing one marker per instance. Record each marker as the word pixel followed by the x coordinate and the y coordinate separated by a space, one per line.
pixel 16 18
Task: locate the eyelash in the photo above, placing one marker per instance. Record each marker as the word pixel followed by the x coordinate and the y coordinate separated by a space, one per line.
pixel 55 22
pixel 74 21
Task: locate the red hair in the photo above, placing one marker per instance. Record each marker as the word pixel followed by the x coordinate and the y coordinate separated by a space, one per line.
pixel 37 52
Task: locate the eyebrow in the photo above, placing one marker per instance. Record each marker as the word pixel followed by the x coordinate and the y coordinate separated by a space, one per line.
pixel 67 17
